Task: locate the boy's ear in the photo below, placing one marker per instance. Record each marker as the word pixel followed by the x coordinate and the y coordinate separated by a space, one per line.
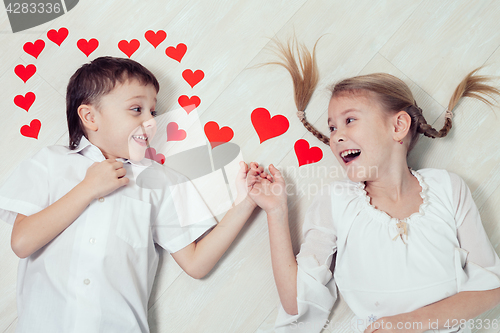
pixel 86 113
pixel 401 123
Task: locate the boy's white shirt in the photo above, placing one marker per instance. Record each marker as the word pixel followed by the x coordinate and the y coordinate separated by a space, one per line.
pixel 98 273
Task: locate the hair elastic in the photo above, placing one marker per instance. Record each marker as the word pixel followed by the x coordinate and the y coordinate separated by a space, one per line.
pixel 300 114
pixel 448 114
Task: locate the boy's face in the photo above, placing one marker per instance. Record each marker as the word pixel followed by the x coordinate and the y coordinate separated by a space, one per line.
pixel 125 123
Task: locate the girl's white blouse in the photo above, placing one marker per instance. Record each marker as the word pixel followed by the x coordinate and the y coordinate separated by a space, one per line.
pixel 447 251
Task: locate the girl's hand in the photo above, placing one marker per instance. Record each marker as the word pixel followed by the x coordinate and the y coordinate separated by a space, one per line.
pixel 398 323
pixel 104 177
pixel 268 192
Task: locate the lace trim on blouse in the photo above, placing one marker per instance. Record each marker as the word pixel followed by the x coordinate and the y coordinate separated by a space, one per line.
pixel 400 226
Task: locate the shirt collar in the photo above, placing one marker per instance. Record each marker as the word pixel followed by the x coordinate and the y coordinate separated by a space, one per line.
pixel 88 149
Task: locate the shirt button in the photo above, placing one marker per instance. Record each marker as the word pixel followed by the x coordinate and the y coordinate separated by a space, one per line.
pixel 92 240
pixel 86 281
pixel 101 199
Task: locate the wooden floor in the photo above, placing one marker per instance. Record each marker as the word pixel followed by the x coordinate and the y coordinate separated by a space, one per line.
pixel 430 44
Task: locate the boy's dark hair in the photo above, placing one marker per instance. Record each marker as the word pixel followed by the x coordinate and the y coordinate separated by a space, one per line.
pixel 96 79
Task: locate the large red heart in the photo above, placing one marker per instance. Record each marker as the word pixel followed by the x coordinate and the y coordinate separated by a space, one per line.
pixel 155 38
pixel 152 155
pixel 32 130
pixel 129 47
pixel 267 127
pixel 34 49
pixel 217 136
pixel 174 133
pixel 176 53
pixel 25 102
pixel 24 73
pixel 307 155
pixel 58 36
pixel 87 47
pixel 189 104
pixel 193 78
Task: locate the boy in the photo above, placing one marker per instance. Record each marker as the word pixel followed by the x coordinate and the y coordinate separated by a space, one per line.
pixel 85 228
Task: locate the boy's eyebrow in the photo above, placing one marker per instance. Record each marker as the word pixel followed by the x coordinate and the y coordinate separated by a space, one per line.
pixel 344 112
pixel 139 96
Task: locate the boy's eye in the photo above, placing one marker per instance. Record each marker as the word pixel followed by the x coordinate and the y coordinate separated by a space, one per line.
pixel 347 120
pixel 138 109
pixel 154 113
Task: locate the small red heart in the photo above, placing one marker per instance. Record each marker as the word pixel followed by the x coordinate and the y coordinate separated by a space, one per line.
pixel 176 53
pixel 155 38
pixel 307 155
pixel 25 102
pixel 189 104
pixel 217 136
pixel 87 47
pixel 24 73
pixel 267 127
pixel 32 130
pixel 129 47
pixel 193 78
pixel 152 155
pixel 174 133
pixel 58 36
pixel 34 49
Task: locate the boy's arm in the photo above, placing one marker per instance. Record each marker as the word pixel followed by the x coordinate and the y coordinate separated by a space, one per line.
pixel 198 258
pixel 30 233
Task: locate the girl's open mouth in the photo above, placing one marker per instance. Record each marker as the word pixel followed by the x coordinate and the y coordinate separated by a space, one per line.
pixel 141 139
pixel 349 155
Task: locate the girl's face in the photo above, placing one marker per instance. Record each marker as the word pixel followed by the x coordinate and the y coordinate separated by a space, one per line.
pixel 360 135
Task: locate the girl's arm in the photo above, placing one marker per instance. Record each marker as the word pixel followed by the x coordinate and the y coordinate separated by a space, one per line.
pixel 451 311
pixel 30 233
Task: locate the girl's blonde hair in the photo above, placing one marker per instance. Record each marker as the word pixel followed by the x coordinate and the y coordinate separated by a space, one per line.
pixel 393 94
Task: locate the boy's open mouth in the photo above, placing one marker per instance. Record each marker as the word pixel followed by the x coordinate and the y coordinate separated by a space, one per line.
pixel 141 139
pixel 349 155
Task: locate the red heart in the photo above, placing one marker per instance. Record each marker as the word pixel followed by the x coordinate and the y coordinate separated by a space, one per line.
pixel 87 47
pixel 176 53
pixel 34 49
pixel 217 136
pixel 174 133
pixel 151 154
pixel 25 102
pixel 307 155
pixel 129 47
pixel 193 78
pixel 267 127
pixel 155 38
pixel 189 104
pixel 58 36
pixel 32 130
pixel 24 73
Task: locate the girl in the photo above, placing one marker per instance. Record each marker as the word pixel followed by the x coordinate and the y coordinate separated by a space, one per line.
pixel 411 252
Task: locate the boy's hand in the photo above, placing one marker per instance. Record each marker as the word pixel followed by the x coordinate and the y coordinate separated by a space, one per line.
pixel 266 192
pixel 244 182
pixel 104 177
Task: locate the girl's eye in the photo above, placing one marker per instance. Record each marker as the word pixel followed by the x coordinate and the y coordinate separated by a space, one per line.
pixel 154 113
pixel 332 128
pixel 347 120
pixel 138 109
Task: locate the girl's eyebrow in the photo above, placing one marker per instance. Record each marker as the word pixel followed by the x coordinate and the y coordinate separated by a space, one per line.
pixel 344 112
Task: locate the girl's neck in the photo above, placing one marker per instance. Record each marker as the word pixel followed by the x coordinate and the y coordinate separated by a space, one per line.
pixel 393 183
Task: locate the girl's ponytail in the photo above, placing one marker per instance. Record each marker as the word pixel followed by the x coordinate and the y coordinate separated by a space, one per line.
pixel 305 77
pixel 474 86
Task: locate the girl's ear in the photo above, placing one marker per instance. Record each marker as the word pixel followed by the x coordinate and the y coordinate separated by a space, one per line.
pixel 87 112
pixel 401 125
